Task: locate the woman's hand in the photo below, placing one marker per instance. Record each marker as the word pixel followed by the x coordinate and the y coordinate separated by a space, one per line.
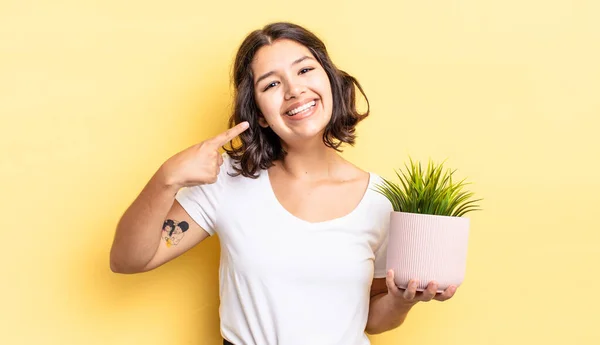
pixel 410 296
pixel 200 163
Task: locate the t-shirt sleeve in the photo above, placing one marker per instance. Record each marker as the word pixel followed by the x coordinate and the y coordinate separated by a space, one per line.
pixel 381 256
pixel 383 210
pixel 202 202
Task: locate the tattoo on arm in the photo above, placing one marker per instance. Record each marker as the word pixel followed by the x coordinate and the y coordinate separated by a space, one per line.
pixel 173 231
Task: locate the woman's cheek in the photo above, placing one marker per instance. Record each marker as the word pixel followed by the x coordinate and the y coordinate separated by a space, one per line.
pixel 273 105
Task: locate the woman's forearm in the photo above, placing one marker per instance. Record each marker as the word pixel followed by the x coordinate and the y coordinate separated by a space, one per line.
pixel 138 233
pixel 385 313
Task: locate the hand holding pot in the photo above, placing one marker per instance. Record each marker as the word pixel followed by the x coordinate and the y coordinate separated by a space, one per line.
pixel 410 295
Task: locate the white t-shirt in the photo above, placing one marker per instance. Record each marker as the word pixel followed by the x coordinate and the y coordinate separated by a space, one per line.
pixel 283 280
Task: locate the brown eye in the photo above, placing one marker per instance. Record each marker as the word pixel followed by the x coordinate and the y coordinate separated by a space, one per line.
pixel 273 84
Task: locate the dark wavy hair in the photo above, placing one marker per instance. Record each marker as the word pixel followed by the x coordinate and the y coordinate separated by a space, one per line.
pixel 259 146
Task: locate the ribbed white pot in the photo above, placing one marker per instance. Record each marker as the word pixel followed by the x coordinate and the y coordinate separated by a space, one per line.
pixel 427 247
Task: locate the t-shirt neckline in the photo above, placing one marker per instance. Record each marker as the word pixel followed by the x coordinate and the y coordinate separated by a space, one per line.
pixel 267 181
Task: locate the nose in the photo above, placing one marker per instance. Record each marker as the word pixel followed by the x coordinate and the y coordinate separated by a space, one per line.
pixel 294 90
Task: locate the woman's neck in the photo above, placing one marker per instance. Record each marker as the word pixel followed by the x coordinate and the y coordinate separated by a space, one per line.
pixel 315 162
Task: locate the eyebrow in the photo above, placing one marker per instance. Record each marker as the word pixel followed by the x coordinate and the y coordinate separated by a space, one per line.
pixel 268 74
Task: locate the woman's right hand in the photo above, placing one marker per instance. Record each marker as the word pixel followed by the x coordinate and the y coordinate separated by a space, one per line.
pixel 200 163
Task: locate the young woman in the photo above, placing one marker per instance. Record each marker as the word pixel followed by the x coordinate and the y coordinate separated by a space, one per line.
pixel 303 235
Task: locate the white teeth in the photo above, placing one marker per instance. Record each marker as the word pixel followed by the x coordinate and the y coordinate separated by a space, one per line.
pixel 301 108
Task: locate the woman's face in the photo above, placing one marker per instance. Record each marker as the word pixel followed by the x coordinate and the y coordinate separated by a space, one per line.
pixel 292 91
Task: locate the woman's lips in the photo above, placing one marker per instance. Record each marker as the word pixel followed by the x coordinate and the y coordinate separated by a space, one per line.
pixel 303 114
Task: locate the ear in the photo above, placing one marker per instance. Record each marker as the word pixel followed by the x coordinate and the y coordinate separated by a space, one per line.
pixel 262 122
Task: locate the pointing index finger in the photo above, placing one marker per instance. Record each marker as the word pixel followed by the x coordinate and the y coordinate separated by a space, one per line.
pixel 231 133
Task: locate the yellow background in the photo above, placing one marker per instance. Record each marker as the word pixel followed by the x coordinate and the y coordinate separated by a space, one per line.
pixel 95 95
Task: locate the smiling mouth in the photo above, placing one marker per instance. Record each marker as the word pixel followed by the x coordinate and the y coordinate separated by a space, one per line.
pixel 301 109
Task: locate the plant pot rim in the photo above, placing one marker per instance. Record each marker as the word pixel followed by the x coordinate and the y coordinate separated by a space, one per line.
pixel 429 215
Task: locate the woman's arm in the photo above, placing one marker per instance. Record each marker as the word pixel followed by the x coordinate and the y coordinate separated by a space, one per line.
pixel 390 305
pixel 136 244
pixel 136 247
pixel 384 314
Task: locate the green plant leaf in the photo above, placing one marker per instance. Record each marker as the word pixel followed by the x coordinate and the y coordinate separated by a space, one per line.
pixel 466 206
pixel 429 191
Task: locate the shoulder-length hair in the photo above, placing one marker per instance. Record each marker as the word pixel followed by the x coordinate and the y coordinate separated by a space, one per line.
pixel 259 146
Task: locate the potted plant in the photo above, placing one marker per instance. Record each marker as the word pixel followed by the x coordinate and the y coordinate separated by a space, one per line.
pixel 428 233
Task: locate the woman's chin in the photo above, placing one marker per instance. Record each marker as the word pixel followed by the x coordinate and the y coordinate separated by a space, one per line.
pixel 307 136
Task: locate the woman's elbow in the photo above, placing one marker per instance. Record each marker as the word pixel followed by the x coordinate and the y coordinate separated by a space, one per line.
pixel 373 329
pixel 120 266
